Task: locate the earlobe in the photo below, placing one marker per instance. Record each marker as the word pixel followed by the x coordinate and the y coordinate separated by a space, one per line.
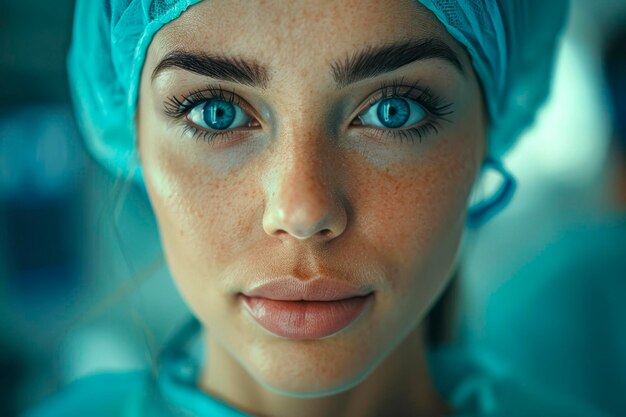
pixel 499 192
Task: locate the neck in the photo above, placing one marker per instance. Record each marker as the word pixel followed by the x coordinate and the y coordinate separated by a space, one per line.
pixel 619 179
pixel 399 386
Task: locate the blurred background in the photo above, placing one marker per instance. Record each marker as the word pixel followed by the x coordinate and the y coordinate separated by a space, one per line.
pixel 84 288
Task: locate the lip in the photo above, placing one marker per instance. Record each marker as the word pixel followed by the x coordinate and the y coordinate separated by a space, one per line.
pixel 306 319
pixel 289 288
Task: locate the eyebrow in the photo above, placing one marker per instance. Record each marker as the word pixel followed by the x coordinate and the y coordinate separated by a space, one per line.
pixel 219 67
pixel 374 61
pixel 367 63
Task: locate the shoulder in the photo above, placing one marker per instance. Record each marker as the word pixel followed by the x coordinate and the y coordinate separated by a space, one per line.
pixel 106 394
pixel 478 382
pixel 517 397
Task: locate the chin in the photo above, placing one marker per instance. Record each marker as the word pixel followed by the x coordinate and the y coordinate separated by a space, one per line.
pixel 302 373
pixel 310 386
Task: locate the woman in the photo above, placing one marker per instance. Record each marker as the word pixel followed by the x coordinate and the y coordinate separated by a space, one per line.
pixel 310 166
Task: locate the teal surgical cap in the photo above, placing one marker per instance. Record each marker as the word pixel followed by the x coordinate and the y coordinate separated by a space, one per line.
pixel 512 44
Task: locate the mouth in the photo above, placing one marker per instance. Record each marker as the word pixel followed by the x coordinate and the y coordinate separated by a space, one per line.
pixel 305 319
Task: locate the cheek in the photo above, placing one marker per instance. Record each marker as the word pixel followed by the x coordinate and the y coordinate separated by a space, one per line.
pixel 413 218
pixel 418 210
pixel 202 221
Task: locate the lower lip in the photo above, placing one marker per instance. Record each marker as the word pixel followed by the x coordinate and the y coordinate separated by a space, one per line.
pixel 306 319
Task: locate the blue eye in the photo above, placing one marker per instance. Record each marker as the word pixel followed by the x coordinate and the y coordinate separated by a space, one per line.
pixel 404 112
pixel 217 114
pixel 393 112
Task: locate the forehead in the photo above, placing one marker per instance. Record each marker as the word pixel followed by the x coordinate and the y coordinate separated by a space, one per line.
pixel 300 34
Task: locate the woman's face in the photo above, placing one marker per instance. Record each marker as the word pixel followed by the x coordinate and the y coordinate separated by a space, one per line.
pixel 312 160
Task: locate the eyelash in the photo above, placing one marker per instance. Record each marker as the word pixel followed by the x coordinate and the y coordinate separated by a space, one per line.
pixel 436 107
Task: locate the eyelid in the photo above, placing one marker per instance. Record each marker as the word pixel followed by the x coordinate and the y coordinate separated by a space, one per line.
pixel 396 88
pixel 178 107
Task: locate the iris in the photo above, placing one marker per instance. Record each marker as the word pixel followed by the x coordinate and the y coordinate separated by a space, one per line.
pixel 218 114
pixel 393 112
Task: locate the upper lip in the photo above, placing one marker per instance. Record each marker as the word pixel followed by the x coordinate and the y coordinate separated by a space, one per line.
pixel 289 288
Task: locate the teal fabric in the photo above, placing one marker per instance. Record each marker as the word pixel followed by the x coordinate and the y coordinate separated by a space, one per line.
pixel 566 303
pixel 511 43
pixel 473 381
pixel 109 44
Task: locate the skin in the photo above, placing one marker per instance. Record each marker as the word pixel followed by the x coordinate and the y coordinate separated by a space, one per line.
pixel 308 192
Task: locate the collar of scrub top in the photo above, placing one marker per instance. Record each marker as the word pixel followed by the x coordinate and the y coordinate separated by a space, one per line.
pixel 179 367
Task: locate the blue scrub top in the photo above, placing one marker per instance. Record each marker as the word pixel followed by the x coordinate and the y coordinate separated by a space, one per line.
pixel 474 382
pixel 565 300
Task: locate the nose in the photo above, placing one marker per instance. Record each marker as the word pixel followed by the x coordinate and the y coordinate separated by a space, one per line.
pixel 304 199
